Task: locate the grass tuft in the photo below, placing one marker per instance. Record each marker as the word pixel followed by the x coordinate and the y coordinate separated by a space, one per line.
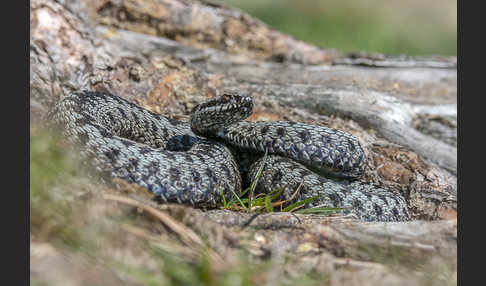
pixel 267 203
pixel 51 213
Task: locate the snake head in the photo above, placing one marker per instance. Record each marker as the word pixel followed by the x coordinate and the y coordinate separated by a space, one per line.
pixel 211 117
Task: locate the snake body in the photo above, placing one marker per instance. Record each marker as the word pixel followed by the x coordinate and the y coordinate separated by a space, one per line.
pixel 216 153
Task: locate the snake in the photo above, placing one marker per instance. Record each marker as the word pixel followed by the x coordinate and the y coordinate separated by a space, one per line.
pixel 217 153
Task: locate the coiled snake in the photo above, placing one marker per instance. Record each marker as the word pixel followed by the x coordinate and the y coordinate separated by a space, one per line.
pixel 193 162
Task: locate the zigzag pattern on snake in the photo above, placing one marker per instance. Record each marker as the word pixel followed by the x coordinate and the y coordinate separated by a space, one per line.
pixel 193 162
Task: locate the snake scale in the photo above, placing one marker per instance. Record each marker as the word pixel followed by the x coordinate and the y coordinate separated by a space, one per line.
pixel 218 152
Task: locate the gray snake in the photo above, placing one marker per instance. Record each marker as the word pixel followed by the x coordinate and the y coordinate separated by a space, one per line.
pixel 218 152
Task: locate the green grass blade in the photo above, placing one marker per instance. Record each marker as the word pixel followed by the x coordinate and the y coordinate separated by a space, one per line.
pixel 299 203
pixel 277 192
pixel 319 210
pixel 242 193
pixel 238 198
pixel 257 176
pixel 241 203
pixel 225 205
pixel 268 204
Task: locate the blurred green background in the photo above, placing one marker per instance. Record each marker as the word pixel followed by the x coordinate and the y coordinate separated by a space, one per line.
pixel 413 27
